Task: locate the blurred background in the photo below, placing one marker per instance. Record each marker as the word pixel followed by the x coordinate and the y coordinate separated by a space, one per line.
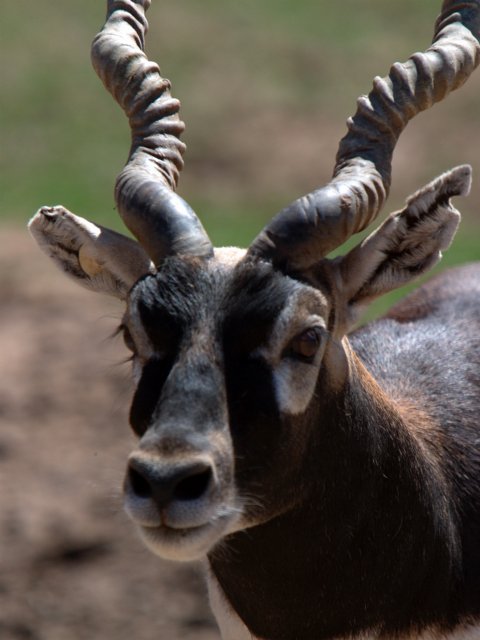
pixel 266 87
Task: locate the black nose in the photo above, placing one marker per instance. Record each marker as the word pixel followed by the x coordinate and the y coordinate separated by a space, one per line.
pixel 165 483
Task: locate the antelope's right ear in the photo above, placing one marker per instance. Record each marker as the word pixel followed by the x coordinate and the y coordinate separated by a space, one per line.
pixel 97 258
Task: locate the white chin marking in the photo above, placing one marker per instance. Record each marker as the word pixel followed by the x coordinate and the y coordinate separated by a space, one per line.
pixel 186 545
pixel 180 547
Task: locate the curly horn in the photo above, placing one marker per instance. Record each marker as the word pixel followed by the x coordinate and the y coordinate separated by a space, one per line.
pixel 145 189
pixel 319 222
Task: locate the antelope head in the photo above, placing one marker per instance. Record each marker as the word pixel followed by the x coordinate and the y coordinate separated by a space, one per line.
pixel 237 353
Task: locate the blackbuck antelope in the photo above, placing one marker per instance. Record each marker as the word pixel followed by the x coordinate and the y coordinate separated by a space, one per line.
pixel 331 481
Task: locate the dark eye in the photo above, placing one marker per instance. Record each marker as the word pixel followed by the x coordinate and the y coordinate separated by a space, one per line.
pixel 127 339
pixel 305 345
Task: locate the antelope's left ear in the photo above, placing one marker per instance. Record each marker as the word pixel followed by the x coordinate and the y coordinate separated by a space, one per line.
pixel 99 259
pixel 407 244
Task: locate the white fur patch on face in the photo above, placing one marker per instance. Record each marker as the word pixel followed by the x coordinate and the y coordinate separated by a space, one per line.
pixel 294 385
pixel 294 380
pixel 143 347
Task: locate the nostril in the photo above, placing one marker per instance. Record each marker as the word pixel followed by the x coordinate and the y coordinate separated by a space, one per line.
pixel 194 486
pixel 140 486
pixel 163 483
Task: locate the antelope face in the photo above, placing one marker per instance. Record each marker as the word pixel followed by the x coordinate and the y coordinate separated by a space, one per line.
pixel 226 358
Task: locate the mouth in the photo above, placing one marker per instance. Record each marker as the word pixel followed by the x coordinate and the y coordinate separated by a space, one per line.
pixel 188 543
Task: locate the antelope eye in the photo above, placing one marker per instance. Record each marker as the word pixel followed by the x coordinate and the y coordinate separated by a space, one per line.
pixel 305 345
pixel 127 339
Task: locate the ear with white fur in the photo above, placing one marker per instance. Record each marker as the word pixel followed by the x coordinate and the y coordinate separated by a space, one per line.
pixel 99 259
pixel 407 244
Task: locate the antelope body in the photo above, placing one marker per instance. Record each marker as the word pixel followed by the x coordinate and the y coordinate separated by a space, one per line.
pixel 331 480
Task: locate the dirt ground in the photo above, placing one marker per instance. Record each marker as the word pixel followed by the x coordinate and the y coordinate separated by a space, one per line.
pixel 71 567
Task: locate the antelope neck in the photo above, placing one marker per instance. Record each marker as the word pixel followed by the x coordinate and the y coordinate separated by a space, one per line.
pixel 365 539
